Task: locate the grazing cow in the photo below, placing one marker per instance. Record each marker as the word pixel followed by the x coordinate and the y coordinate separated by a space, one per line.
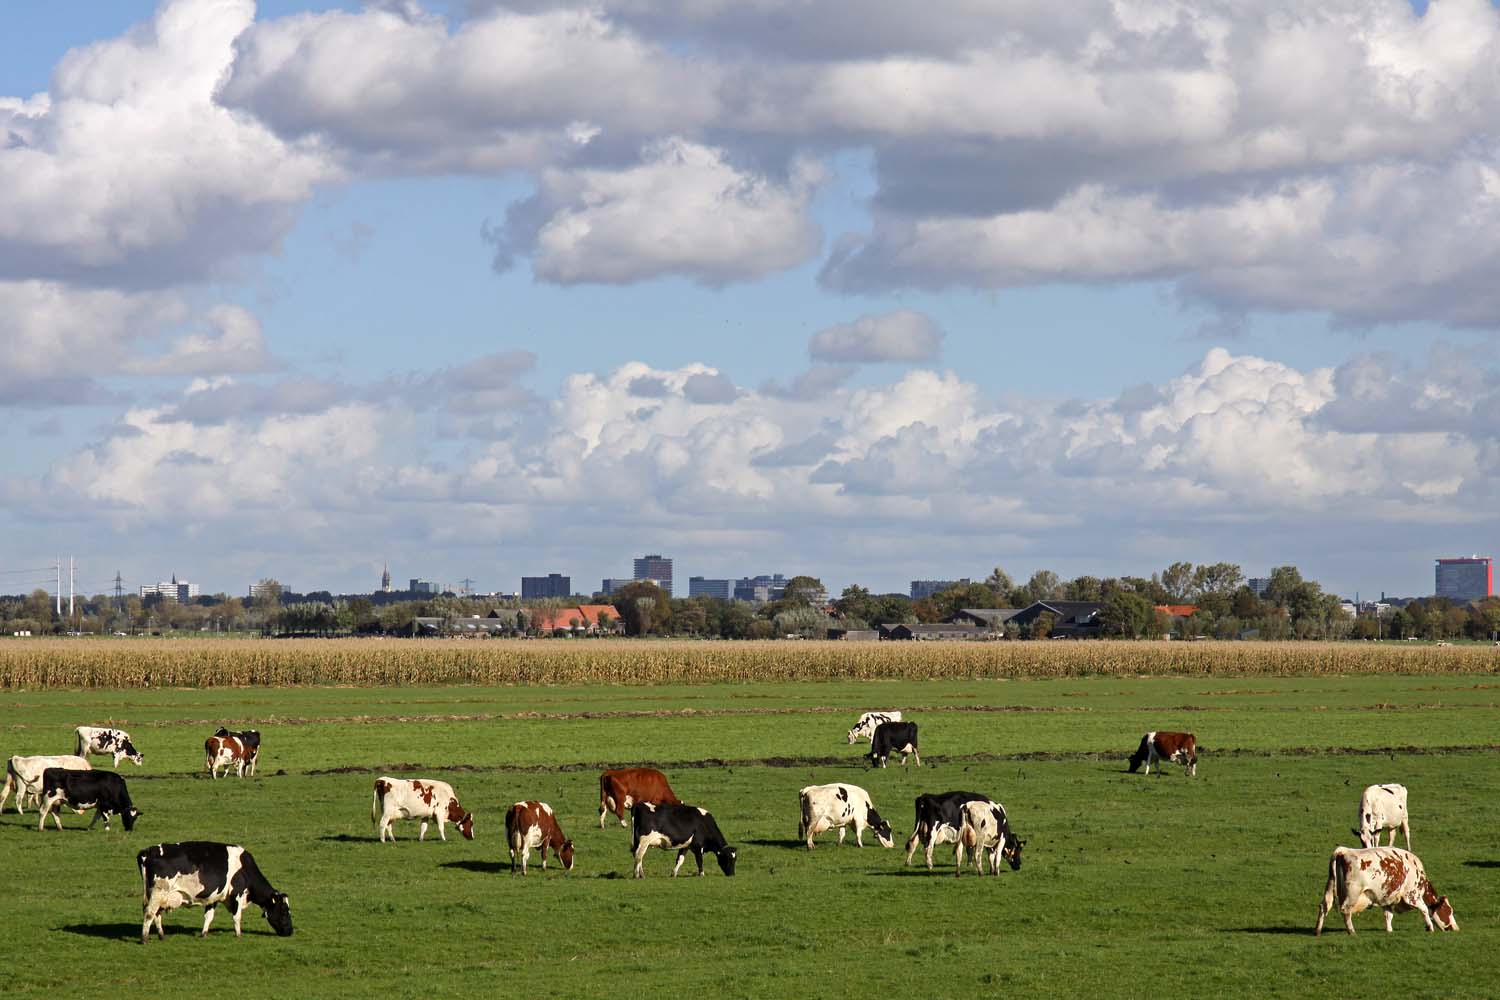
pixel 894 737
pixel 864 729
pixel 102 791
pixel 824 807
pixel 1382 807
pixel 680 828
pixel 106 742
pixel 226 752
pixel 1387 877
pixel 202 873
pixel 939 821
pixel 532 824
pixel 1181 748
pixel 418 798
pixel 249 737
pixel 23 775
pixel 987 833
pixel 622 789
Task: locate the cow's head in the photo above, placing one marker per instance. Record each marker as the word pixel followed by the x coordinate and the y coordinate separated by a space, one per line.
pixel 128 751
pixel 1442 915
pixel 565 855
pixel 279 914
pixel 129 816
pixel 465 820
pixel 881 828
pixel 727 856
pixel 1011 852
pixel 854 734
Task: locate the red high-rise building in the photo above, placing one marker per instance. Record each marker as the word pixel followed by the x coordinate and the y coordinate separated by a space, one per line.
pixel 1465 578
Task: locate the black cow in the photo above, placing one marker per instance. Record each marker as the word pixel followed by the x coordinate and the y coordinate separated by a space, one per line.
pixel 203 873
pixel 103 791
pixel 249 737
pixel 679 828
pixel 939 820
pixel 894 737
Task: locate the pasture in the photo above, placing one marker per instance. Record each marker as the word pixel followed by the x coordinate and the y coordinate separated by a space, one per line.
pixel 1131 885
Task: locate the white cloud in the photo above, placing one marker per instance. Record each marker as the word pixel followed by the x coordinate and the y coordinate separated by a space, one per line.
pixel 683 210
pixel 127 171
pixel 904 335
pixel 233 344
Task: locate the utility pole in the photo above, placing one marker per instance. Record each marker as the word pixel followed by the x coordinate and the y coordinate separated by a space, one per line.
pixel 58 591
pixel 119 592
pixel 71 569
pixel 467 585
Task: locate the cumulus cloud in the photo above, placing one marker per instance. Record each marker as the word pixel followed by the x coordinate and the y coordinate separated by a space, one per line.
pixel 903 335
pixel 127 172
pixel 683 210
pixel 232 344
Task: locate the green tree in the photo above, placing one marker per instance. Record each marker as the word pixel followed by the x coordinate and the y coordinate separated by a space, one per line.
pixel 857 602
pixel 804 590
pixel 1084 588
pixel 1127 614
pixel 1177 581
pixel 1044 585
pixel 643 607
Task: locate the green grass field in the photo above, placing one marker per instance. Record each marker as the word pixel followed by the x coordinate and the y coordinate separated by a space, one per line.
pixel 1131 885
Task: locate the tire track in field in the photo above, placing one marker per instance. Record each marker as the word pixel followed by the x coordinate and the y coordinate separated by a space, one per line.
pixel 688 713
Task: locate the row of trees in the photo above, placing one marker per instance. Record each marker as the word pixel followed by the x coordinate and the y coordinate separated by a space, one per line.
pixel 1289 607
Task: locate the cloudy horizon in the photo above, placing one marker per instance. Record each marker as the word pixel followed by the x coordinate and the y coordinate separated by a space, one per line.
pixel 483 290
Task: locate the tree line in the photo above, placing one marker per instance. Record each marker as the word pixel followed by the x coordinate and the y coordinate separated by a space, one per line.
pixel 1290 607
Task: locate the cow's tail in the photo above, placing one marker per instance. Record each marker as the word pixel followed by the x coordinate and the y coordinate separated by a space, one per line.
pixel 12 783
pixel 376 800
pixel 804 806
pixel 1142 752
pixel 140 862
pixel 1338 866
pixel 78 744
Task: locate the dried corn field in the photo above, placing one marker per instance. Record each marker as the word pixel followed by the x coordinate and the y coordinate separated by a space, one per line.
pixel 83 663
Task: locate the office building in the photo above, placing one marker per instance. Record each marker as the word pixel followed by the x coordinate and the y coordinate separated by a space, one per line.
pixel 926 588
pixel 551 585
pixel 178 591
pixel 657 569
pixel 1466 578
pixel 760 588
pixel 1258 585
pixel 699 586
pixel 424 587
pixel 611 584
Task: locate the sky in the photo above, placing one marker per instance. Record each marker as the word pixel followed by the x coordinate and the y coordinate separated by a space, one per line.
pixel 871 292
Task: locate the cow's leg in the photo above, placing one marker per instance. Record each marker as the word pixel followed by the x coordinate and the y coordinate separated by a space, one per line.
pixel 442 828
pixel 917 755
pixel 958 858
pixel 237 908
pixel 1390 913
pixel 422 833
pixel 698 855
pixel 208 918
pixel 640 858
pixel 604 810
pixel 1405 831
pixel 843 830
pixel 931 843
pixel 911 844
pixel 146 919
pixel 5 794
pixel 681 857
pixel 859 834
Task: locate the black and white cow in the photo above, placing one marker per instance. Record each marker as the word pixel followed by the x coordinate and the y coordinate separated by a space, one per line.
pixel 939 820
pixel 106 742
pixel 202 873
pixel 894 737
pixel 986 831
pixel 864 729
pixel 102 791
pixel 824 807
pixel 680 828
pixel 23 775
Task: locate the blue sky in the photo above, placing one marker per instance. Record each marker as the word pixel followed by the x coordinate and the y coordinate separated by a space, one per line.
pixel 490 290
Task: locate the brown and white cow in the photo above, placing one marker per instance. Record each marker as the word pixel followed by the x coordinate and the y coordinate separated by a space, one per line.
pixel 229 751
pixel 418 798
pixel 532 824
pixel 619 790
pixel 1387 877
pixel 1180 748
pixel 1382 807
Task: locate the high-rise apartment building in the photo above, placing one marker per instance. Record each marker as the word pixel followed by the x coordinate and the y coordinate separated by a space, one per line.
pixel 1466 578
pixel 551 585
pixel 657 569
pixel 699 586
pixel 179 591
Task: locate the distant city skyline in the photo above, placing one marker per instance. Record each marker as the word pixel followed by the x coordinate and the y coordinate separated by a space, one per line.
pixel 302 288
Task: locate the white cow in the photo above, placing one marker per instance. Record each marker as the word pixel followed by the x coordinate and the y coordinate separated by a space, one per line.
pixel 986 831
pixel 418 798
pixel 1387 877
pixel 24 776
pixel 864 729
pixel 824 807
pixel 1382 807
pixel 106 742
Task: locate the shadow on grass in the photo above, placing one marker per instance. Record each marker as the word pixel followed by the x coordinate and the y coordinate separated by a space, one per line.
pixel 786 845
pixel 914 873
pixel 115 931
pixel 349 838
pixel 485 867
pixel 1272 929
pixel 1482 864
